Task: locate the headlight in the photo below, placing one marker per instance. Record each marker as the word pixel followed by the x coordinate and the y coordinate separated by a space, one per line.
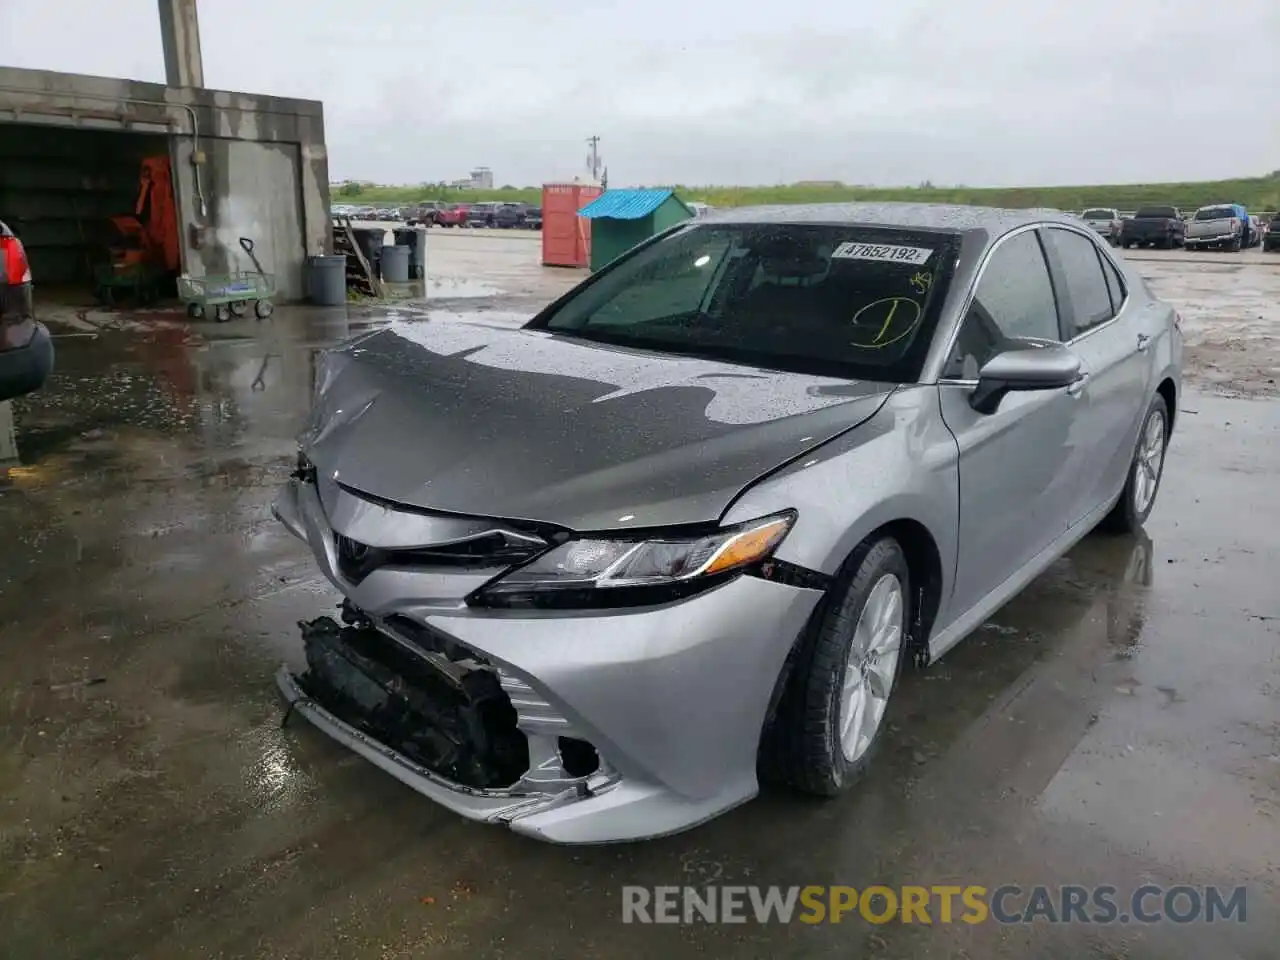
pixel 628 572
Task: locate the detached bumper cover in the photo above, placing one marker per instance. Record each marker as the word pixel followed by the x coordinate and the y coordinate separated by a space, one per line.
pixel 673 698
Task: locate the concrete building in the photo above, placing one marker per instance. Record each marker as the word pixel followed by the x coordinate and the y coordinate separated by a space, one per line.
pixel 481 178
pixel 242 165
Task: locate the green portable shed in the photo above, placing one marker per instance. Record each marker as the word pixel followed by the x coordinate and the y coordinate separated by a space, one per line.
pixel 622 218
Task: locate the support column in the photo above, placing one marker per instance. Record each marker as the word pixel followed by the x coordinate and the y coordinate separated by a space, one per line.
pixel 180 37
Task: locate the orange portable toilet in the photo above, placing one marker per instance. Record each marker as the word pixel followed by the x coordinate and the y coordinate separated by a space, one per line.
pixel 566 237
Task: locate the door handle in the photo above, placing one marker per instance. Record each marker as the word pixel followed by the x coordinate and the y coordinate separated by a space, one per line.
pixel 1077 385
pixel 1143 341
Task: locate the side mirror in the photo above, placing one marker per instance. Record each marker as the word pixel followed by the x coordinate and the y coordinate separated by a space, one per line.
pixel 1029 366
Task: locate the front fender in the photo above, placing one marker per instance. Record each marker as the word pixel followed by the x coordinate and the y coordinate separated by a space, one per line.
pixel 902 464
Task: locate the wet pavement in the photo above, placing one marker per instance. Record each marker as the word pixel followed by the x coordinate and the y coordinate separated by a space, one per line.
pixel 1117 723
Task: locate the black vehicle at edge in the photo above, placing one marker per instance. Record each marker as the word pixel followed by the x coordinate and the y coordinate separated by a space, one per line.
pixel 26 351
pixel 1156 226
pixel 1271 239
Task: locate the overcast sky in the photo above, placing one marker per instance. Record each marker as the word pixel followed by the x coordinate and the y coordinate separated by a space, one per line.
pixel 888 92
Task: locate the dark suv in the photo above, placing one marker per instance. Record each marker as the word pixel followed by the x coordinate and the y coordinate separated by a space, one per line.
pixel 509 215
pixel 484 214
pixel 26 352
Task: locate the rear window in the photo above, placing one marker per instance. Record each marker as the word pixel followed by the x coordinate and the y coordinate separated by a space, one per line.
pixel 851 301
pixel 1215 213
pixel 1167 213
pixel 1099 214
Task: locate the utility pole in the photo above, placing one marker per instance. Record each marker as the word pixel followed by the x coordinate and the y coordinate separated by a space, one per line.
pixel 593 161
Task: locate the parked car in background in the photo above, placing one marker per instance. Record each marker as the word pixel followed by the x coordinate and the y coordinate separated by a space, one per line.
pixel 533 218
pixel 365 213
pixel 388 215
pixel 699 209
pixel 1104 221
pixel 26 351
pixel 510 215
pixel 601 570
pixel 426 213
pixel 1257 228
pixel 1221 225
pixel 453 215
pixel 483 214
pixel 1271 238
pixel 1153 227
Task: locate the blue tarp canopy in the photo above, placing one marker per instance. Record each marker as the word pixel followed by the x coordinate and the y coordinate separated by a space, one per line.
pixel 625 204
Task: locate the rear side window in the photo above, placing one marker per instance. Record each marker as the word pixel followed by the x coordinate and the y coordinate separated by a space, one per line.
pixel 1084 299
pixel 1115 284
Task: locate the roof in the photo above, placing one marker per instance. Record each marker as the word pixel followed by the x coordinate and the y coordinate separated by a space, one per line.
pixel 936 216
pixel 626 204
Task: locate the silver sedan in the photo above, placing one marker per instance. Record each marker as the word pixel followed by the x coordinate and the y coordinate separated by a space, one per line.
pixel 693 520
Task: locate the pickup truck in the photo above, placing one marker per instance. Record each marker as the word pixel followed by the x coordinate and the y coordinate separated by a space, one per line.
pixel 454 215
pixel 1222 225
pixel 1104 221
pixel 1153 226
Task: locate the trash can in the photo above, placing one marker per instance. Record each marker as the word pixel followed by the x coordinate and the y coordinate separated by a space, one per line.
pixel 370 240
pixel 327 280
pixel 415 238
pixel 395 264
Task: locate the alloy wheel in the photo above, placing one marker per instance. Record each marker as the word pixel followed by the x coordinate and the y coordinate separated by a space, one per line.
pixel 1148 463
pixel 872 666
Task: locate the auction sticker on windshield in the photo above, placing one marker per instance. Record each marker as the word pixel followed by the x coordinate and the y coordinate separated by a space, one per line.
pixel 884 252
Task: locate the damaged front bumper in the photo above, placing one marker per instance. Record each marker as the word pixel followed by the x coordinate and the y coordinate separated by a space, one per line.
pixel 668 701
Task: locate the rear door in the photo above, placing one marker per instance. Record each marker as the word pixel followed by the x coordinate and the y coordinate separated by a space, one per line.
pixel 1108 330
pixel 1017 465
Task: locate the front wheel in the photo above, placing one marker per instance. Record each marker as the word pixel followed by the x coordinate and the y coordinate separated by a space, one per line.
pixel 832 715
pixel 1145 471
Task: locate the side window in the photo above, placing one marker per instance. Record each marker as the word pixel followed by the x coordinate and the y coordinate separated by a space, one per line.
pixel 1014 299
pixel 1086 301
pixel 1115 285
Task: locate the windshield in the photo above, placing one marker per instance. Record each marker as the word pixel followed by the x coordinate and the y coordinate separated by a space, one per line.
pixel 1099 214
pixel 851 301
pixel 1215 213
pixel 1157 213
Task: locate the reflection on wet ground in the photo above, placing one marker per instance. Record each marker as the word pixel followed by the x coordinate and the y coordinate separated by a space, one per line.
pixel 1115 724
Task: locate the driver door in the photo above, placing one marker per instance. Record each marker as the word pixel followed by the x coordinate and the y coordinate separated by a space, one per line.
pixel 1018 466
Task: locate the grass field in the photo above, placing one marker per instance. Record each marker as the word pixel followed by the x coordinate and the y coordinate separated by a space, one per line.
pixel 1256 193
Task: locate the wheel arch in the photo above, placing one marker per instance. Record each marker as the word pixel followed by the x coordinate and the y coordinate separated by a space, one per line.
pixel 924 562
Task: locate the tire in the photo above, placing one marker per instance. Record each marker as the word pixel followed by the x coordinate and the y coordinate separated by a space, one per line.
pixel 221 314
pixel 1235 245
pixel 262 309
pixel 239 308
pixel 1130 512
pixel 814 757
pixel 195 311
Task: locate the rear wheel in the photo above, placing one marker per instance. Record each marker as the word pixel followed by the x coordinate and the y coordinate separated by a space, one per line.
pixel 1235 245
pixel 1145 471
pixel 832 715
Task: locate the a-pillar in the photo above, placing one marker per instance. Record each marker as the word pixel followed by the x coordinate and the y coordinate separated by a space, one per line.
pixel 180 36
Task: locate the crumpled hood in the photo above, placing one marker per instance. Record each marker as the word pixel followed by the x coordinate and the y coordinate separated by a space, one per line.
pixel 467 417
